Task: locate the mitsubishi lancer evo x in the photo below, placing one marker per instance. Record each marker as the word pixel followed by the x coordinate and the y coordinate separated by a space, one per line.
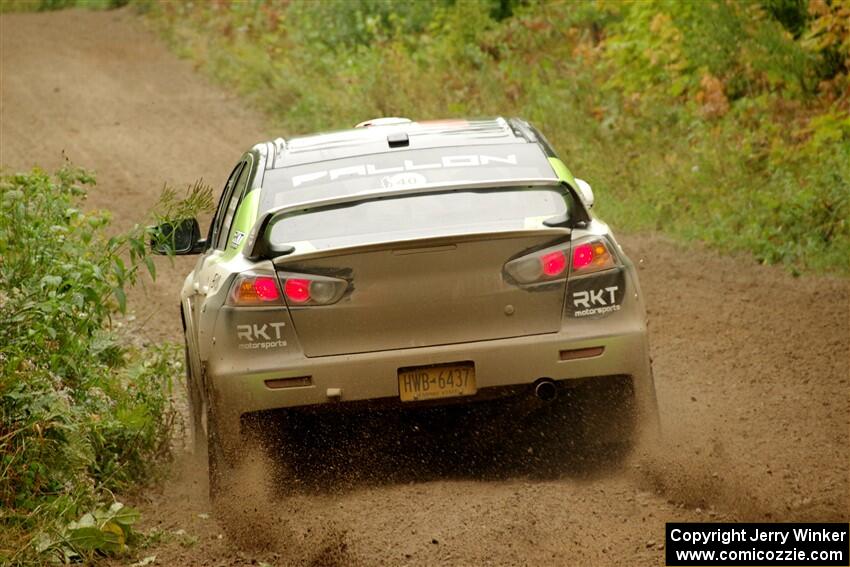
pixel 405 265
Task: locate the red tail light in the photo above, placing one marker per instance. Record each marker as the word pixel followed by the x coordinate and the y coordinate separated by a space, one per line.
pixel 251 289
pixel 582 256
pixel 297 290
pixel 592 256
pixel 551 264
pixel 539 267
pixel 301 289
pixel 554 263
pixel 266 289
pixel 312 290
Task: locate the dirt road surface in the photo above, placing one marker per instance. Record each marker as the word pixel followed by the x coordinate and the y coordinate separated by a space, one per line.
pixel 751 363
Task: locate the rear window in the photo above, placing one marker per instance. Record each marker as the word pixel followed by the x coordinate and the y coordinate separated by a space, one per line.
pixel 420 216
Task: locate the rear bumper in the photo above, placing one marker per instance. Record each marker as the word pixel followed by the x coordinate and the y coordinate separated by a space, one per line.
pixel 241 388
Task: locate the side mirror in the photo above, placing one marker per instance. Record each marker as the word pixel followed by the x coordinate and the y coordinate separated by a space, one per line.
pixel 178 238
pixel 585 192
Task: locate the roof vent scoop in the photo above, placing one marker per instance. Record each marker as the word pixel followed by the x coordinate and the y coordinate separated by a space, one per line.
pixel 398 140
pixel 388 121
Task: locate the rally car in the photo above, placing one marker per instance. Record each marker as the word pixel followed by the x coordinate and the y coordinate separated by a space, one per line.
pixel 405 265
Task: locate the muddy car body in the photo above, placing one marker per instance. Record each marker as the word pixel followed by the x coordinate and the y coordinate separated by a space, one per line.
pixel 405 264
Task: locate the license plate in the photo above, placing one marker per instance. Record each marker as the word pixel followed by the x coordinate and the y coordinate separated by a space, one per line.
pixel 432 382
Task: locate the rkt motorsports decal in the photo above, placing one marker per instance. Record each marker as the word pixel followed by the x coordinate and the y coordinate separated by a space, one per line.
pixel 596 295
pixel 265 336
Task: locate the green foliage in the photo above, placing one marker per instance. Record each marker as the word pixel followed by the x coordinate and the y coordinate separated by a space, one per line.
pixel 105 531
pixel 82 415
pixel 829 36
pixel 677 43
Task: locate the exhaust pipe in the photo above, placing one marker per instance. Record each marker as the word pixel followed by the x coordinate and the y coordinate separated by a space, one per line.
pixel 546 390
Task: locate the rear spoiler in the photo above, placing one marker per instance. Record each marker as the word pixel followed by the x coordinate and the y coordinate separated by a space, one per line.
pixel 258 247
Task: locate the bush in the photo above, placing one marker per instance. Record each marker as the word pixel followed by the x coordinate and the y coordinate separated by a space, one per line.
pixel 82 415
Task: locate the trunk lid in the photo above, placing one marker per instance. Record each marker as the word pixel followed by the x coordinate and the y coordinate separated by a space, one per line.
pixel 428 292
